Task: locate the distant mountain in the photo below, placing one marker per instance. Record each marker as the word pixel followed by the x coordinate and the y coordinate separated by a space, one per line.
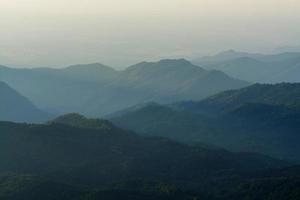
pixel 287 94
pixel 225 56
pixel 177 78
pixel 288 49
pixel 94 72
pixel 283 67
pixel 17 108
pixel 165 81
pixel 96 89
pixel 259 118
pixel 58 90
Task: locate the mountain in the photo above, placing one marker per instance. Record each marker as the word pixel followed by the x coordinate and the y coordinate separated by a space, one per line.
pixel 100 156
pixel 15 186
pixel 77 120
pixel 58 90
pixel 165 81
pixel 94 72
pixel 282 67
pixel 73 157
pixel 178 78
pixel 15 107
pixel 96 89
pixel 28 187
pixel 288 49
pixel 225 56
pixel 158 120
pixel 259 118
pixel 286 94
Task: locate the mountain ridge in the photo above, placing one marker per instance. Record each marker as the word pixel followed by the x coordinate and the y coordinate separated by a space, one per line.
pixel 101 92
pixel 15 107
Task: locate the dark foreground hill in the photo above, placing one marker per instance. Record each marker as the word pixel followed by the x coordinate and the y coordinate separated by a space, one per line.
pixel 100 155
pixel 259 118
pixel 29 187
pixel 88 159
pixel 15 107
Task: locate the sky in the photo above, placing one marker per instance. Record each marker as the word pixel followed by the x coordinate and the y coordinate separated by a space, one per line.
pixel 58 33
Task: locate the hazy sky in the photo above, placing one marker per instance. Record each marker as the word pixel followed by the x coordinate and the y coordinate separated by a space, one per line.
pixel 122 32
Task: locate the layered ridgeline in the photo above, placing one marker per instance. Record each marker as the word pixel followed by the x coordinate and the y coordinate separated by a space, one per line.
pixel 81 158
pixel 283 67
pixel 96 89
pixel 259 118
pixel 15 107
pixel 95 152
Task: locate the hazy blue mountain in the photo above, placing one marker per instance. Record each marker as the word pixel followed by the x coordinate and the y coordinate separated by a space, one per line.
pixel 283 67
pixel 96 89
pixel 94 72
pixel 178 78
pixel 225 56
pixel 17 108
pixel 287 94
pixel 165 81
pixel 259 118
pixel 295 48
pixel 58 90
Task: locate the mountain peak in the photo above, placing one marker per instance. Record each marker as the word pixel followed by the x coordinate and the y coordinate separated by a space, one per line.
pixel 181 61
pixel 89 66
pixel 165 64
pixel 77 120
pixel 228 52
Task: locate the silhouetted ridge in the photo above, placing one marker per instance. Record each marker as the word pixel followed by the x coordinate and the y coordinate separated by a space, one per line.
pixel 77 120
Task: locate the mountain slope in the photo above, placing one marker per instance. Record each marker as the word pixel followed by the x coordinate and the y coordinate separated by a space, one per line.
pixel 29 187
pixel 283 67
pixel 103 155
pixel 178 76
pixel 268 186
pixel 287 94
pixel 224 57
pixel 96 90
pixel 58 90
pixel 15 107
pixel 165 81
pixel 260 118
